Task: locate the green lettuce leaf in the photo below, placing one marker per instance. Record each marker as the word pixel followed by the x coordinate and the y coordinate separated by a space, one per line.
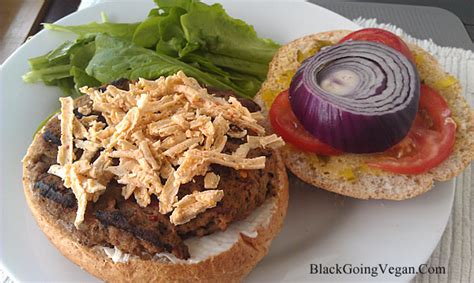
pixel 147 33
pixel 48 74
pixel 122 30
pixel 81 78
pixel 213 30
pixel 80 57
pixel 201 40
pixel 116 58
pixel 64 66
pixel 258 70
pixel 172 38
pixel 187 5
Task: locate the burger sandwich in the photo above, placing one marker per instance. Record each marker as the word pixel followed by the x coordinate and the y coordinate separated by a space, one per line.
pixel 158 181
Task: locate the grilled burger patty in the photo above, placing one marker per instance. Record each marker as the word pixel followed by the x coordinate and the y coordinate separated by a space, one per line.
pixel 143 231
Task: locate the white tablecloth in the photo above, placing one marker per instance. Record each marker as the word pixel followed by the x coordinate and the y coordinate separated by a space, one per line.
pixel 456 249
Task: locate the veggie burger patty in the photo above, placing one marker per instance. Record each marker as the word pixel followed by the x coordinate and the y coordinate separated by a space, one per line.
pixel 114 220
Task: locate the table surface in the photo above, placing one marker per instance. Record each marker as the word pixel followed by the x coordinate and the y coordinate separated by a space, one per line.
pixel 464 9
pixel 18 19
pixel 422 22
pixel 424 18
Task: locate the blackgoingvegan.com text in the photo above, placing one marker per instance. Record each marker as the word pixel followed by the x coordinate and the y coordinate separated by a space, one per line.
pixel 375 270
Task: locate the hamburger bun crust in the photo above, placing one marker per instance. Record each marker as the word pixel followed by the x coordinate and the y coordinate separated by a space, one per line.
pixel 347 174
pixel 228 266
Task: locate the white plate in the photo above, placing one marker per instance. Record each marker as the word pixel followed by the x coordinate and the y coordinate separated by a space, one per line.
pixel 320 227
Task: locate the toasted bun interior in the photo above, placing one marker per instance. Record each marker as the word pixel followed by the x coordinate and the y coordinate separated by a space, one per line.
pixel 347 174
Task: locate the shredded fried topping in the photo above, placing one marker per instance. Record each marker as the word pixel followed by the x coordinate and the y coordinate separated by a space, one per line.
pixel 211 180
pixel 158 136
pixel 66 150
pixel 191 205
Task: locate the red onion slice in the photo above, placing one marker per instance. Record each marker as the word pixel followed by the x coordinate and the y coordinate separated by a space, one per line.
pixel 358 96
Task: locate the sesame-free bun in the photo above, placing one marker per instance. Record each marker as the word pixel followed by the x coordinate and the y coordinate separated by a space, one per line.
pixel 346 174
pixel 230 265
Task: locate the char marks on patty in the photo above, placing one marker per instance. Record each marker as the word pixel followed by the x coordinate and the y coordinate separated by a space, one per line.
pixel 144 231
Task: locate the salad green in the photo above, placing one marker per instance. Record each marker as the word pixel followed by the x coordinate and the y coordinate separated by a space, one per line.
pixel 201 40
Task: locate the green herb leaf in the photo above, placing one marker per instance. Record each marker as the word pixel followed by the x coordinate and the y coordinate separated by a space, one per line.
pixel 116 58
pixel 201 40
pixel 122 30
pixel 213 30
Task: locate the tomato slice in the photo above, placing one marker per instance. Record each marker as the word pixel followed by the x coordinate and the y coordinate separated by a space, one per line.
pixel 428 143
pixel 381 36
pixel 285 124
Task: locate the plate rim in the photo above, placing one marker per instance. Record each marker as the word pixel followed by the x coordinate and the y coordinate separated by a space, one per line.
pixel 6 64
